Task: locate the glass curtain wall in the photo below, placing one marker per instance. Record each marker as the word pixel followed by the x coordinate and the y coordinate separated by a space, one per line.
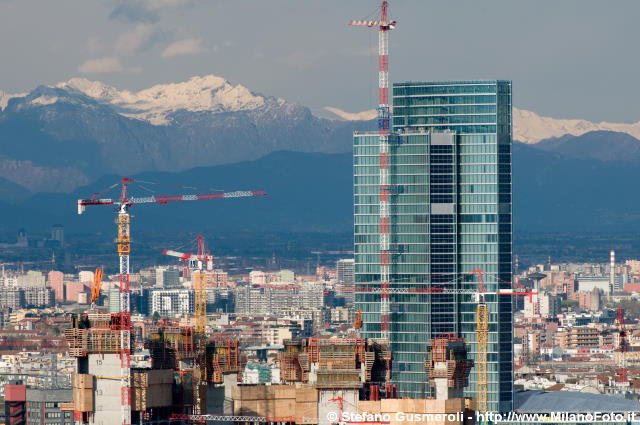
pixel 450 214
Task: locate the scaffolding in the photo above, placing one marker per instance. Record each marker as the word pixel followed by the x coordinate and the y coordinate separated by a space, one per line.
pixel 335 363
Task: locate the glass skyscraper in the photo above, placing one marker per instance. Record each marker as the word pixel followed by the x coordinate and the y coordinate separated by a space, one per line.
pixel 450 214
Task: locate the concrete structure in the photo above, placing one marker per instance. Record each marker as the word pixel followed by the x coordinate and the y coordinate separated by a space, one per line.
pixel 32 279
pixel 57 234
pixel 346 268
pixel 274 299
pixel 114 300
pixel 347 381
pixel 578 337
pixel 38 297
pixel 171 302
pixel 56 283
pixel 11 298
pixel 287 276
pixel 31 406
pixel 96 382
pixel 550 305
pixel 588 283
pixel 450 213
pixel 49 406
pixel 85 276
pixel 73 289
pixel 257 277
pixel 448 368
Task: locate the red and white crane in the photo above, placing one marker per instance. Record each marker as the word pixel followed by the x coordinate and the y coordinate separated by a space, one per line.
pixel 124 239
pixel 384 26
pixel 201 260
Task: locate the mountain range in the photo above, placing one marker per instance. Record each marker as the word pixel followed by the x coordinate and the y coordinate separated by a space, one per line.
pixel 313 192
pixel 63 142
pixel 57 138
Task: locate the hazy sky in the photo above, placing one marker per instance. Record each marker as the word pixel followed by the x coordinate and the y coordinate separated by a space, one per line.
pixel 566 58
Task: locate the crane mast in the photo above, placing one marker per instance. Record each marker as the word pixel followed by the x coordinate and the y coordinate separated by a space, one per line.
pixel 384 26
pixel 482 334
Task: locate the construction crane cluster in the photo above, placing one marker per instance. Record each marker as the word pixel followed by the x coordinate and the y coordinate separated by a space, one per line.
pixel 123 242
pixel 198 266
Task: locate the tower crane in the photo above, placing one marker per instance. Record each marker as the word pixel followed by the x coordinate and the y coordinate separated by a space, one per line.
pixel 198 265
pixel 123 242
pixel 482 325
pixel 384 26
pixel 482 333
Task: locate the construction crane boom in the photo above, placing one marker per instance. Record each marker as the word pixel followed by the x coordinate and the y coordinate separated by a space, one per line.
pixel 384 26
pixel 95 288
pixel 123 242
pixel 83 203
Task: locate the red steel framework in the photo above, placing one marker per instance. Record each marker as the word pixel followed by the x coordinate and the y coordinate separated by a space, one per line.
pixel 123 242
pixel 384 26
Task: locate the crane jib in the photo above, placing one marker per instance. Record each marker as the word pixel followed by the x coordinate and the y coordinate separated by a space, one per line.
pixel 166 199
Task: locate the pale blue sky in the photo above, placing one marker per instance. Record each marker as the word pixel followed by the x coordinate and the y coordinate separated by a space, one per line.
pixel 567 58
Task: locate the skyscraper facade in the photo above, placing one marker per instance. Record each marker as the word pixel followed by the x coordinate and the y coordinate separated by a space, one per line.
pixel 450 214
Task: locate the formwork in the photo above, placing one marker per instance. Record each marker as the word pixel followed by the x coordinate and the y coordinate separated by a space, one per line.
pixel 82 384
pixel 335 363
pixel 223 357
pixel 279 403
pixel 95 340
pixel 93 333
pixel 151 389
pixel 455 411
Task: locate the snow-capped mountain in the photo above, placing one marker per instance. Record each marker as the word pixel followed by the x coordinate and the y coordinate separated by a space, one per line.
pixel 209 93
pixel 78 130
pixel 369 114
pixel 93 129
pixel 529 127
pixel 5 97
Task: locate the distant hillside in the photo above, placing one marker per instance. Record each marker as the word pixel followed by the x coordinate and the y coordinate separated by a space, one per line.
pixel 306 192
pixel 553 192
pixel 55 139
pixel 599 145
pixel 313 192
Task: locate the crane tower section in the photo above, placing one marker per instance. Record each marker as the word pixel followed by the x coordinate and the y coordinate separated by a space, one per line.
pixel 384 25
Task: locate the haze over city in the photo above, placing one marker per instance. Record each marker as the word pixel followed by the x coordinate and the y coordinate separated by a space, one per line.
pixel 319 213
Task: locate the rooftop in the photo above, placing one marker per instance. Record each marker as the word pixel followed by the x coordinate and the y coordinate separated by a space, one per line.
pixel 570 401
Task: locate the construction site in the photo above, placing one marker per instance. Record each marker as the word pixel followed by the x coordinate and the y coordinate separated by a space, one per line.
pixel 189 382
pixel 196 377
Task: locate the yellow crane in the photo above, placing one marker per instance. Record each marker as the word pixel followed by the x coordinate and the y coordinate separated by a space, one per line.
pixel 482 332
pixel 199 266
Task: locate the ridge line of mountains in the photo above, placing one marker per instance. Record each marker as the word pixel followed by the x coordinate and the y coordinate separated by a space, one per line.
pixel 64 142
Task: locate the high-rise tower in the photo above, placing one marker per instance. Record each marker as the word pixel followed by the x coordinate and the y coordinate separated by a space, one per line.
pixel 449 214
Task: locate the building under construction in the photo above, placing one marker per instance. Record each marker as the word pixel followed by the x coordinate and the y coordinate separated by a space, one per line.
pixel 181 370
pixel 326 379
